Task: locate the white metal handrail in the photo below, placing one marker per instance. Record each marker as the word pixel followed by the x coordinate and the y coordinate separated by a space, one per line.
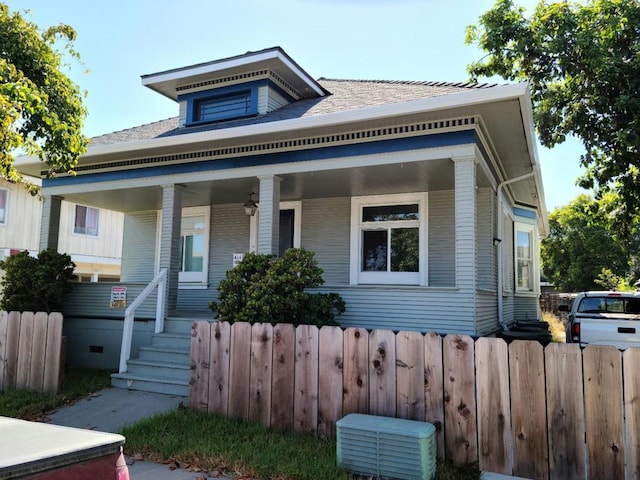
pixel 127 329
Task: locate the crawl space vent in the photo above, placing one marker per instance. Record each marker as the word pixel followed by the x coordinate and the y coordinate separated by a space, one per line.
pixel 386 447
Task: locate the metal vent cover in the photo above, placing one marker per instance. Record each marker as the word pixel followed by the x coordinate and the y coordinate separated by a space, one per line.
pixel 387 448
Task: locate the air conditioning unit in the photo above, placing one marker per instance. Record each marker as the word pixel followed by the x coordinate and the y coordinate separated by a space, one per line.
pixel 385 447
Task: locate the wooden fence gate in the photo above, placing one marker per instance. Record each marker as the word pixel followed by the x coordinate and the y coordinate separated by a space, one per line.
pixel 30 351
pixel 557 412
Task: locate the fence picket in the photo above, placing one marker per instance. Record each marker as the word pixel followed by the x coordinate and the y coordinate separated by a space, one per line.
pixel 461 444
pixel 199 374
pixel 434 387
pixel 382 373
pixel 603 411
pixel 630 362
pixel 330 382
pixel 305 407
pixel 356 371
pixel 283 376
pixel 528 410
pixel 565 421
pixel 4 320
pixel 410 375
pixel 14 321
pixel 220 338
pixel 38 350
pixel 494 410
pixel 261 364
pixel 239 370
pixel 25 345
pixel 54 359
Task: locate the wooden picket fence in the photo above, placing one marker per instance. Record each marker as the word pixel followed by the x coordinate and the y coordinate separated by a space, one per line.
pixel 31 351
pixel 557 412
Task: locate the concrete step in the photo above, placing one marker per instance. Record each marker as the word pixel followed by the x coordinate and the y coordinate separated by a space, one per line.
pixel 183 324
pixel 158 369
pixel 180 356
pixel 157 384
pixel 178 325
pixel 171 340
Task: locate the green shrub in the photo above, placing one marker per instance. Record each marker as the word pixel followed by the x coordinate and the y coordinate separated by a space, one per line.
pixel 36 284
pixel 263 288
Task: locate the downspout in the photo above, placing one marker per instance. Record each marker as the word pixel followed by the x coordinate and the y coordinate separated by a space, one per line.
pixel 499 241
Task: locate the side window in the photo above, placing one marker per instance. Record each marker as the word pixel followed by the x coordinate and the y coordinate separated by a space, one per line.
pixel 4 197
pixel 86 221
pixel 525 258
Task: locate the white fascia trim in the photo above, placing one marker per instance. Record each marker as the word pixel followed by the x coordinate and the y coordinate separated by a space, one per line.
pixel 443 102
pixel 439 153
pixel 233 63
pixel 76 257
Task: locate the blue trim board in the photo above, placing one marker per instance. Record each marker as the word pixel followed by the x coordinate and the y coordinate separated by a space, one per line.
pixel 369 148
pixel 521 212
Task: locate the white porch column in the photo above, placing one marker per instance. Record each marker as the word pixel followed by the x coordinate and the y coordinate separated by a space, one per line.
pixel 269 219
pixel 170 241
pixel 50 222
pixel 465 224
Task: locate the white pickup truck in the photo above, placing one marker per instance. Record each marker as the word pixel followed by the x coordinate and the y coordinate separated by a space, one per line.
pixel 605 318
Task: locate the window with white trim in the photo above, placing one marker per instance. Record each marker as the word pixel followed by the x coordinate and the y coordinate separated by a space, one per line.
pixel 388 239
pixel 194 246
pixel 4 200
pixel 86 221
pixel 525 265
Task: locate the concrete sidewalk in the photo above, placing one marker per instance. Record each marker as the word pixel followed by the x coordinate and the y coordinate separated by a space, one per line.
pixel 111 409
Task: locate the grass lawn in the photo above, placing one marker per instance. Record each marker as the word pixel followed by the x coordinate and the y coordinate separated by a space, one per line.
pixel 217 444
pixel 76 384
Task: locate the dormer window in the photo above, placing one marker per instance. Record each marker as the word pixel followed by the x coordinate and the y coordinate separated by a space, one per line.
pixel 220 104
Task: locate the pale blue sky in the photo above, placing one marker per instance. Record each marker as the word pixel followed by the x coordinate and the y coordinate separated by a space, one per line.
pixel 357 39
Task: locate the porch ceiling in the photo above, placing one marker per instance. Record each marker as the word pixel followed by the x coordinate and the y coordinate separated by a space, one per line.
pixel 372 180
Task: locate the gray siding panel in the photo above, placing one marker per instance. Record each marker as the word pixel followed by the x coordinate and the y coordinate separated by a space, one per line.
pixel 92 299
pixel 487 312
pixel 326 231
pixel 526 308
pixel 421 309
pixel 139 247
pixel 484 240
pixel 441 232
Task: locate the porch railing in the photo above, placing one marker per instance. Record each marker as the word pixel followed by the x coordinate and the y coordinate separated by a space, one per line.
pixel 127 330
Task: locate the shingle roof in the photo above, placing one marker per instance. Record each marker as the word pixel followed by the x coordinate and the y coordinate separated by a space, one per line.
pixel 345 95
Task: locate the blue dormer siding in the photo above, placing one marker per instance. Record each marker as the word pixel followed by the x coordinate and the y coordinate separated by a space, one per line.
pixel 227 103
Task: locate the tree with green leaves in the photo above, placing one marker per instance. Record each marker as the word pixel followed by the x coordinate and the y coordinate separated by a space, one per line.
pixel 582 62
pixel 584 251
pixel 41 109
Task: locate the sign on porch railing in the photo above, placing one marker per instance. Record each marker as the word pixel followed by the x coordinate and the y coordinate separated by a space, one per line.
pixel 31 351
pixel 515 409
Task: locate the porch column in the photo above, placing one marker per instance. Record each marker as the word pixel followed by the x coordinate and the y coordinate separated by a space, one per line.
pixel 50 222
pixel 465 223
pixel 170 241
pixel 269 219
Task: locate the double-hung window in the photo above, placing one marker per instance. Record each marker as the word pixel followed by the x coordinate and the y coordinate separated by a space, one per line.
pixel 86 221
pixel 388 240
pixel 524 242
pixel 4 198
